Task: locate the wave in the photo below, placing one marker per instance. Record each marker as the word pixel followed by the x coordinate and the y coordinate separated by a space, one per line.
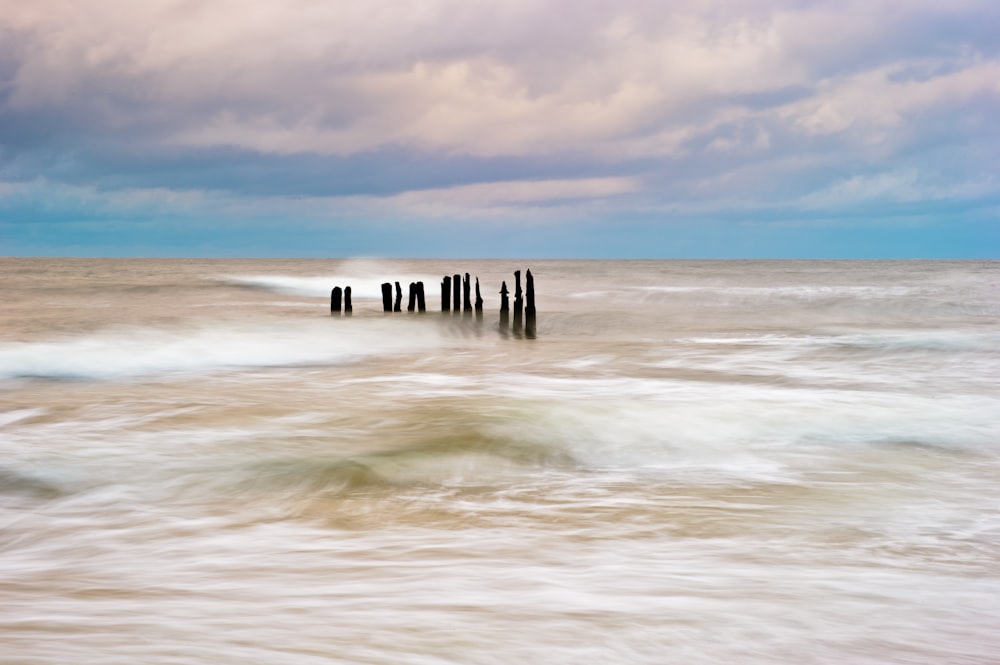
pixel 680 421
pixel 310 477
pixel 802 291
pixel 467 456
pixel 18 415
pixel 797 292
pixel 556 430
pixel 887 340
pixel 133 352
pixel 365 284
pixel 31 485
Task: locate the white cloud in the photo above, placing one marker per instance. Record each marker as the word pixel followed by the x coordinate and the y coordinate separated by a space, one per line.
pixel 876 102
pixel 519 77
pixel 897 186
pixel 491 199
pixel 524 191
pixel 714 100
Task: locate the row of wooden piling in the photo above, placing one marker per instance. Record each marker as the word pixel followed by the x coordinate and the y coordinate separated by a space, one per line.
pixel 461 289
pixel 416 298
pixel 456 296
pixel 527 323
pixel 335 297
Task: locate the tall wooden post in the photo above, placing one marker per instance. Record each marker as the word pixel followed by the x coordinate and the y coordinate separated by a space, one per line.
pixel 446 294
pixel 412 296
pixel 518 301
pixel 421 303
pixel 456 285
pixel 529 310
pixel 504 307
pixel 479 302
pixel 335 300
pixel 386 297
pixel 399 299
pixel 348 309
pixel 467 295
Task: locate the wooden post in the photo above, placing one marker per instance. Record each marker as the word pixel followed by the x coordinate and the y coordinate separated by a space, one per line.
pixel 504 308
pixel 529 310
pixel 399 299
pixel 335 300
pixel 446 294
pixel 348 309
pixel 386 297
pixel 421 303
pixel 479 302
pixel 456 285
pixel 467 295
pixel 412 295
pixel 518 301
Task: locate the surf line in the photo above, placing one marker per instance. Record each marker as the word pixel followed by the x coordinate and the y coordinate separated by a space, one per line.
pixel 458 290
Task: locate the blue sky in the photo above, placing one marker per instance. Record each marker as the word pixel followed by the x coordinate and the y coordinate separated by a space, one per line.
pixel 439 128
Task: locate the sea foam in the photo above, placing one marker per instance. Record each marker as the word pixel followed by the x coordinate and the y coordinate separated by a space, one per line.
pixel 144 351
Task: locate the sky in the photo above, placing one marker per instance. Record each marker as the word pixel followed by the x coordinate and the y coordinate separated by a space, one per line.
pixel 511 128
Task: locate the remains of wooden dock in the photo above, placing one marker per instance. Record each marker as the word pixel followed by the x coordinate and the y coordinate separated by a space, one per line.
pixel 456 297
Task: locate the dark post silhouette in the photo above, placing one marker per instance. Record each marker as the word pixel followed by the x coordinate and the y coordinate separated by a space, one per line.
pixel 335 300
pixel 446 294
pixel 518 301
pixel 529 310
pixel 479 302
pixel 504 307
pixel 467 295
pixel 421 303
pixel 399 299
pixel 386 297
pixel 456 286
pixel 348 309
pixel 412 295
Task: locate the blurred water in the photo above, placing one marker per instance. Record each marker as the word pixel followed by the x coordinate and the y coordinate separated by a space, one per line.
pixel 759 462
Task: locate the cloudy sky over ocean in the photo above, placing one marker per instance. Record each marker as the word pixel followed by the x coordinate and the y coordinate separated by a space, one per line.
pixel 727 128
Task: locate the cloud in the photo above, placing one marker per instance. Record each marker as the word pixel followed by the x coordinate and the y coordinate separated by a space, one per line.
pixel 523 191
pixel 447 109
pixel 339 78
pixel 489 200
pixel 881 100
pixel 904 186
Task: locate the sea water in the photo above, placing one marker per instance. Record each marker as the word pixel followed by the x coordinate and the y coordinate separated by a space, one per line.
pixel 691 462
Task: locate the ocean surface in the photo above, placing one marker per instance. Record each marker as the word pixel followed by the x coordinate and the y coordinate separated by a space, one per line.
pixel 693 462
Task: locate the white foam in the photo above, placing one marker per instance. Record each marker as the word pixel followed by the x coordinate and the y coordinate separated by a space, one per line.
pixel 737 429
pixel 946 340
pixel 364 284
pixel 771 435
pixel 807 292
pixel 131 352
pixel 17 415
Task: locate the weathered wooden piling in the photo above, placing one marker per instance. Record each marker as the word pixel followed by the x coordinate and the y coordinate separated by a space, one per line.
pixel 335 296
pixel 529 310
pixel 412 297
pixel 446 294
pixel 467 295
pixel 518 302
pixel 386 297
pixel 479 302
pixel 504 307
pixel 456 296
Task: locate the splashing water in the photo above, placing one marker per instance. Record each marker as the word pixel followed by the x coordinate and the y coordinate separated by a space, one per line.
pixel 699 462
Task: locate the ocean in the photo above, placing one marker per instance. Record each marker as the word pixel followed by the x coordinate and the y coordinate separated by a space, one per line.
pixel 692 462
